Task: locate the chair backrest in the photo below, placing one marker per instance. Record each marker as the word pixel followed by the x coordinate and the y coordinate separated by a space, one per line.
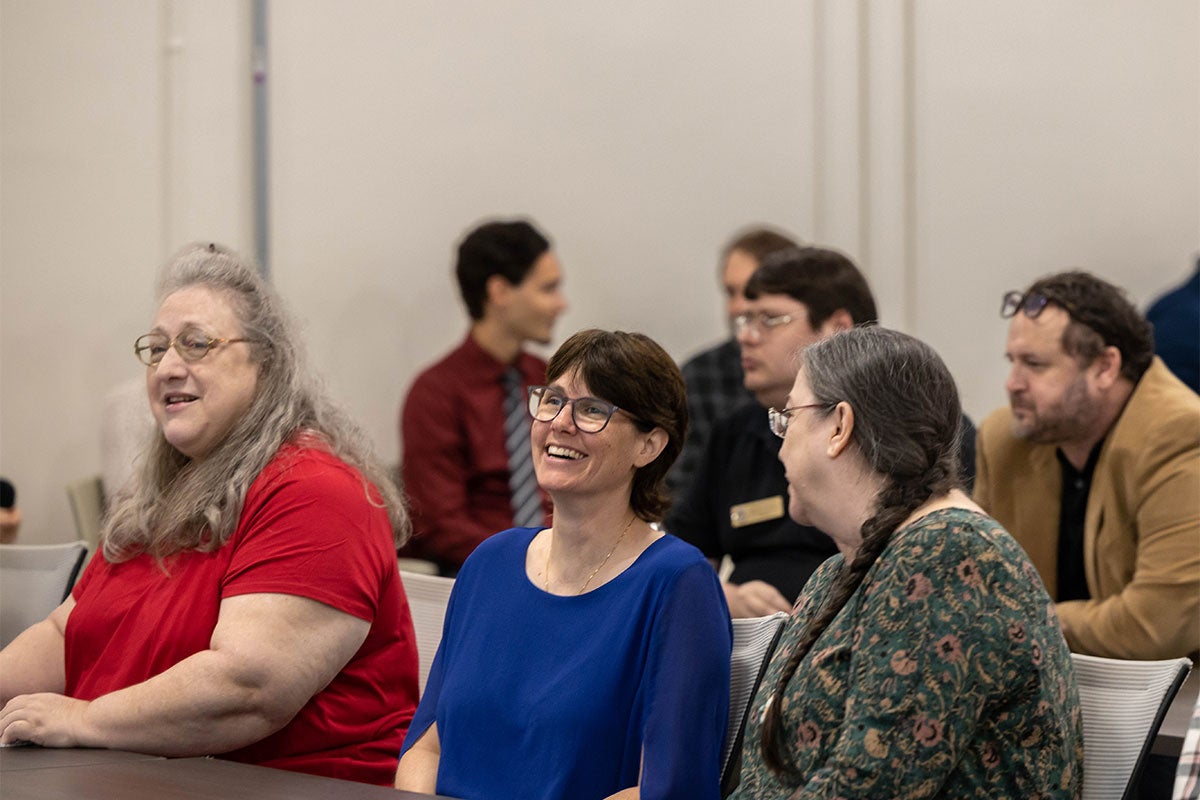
pixel 754 640
pixel 87 506
pixel 1123 704
pixel 427 598
pixel 34 580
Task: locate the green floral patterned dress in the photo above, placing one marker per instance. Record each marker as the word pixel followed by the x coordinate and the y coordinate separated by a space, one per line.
pixel 946 675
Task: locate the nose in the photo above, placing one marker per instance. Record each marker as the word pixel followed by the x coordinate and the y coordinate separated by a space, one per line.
pixel 747 334
pixel 1015 381
pixel 565 421
pixel 171 365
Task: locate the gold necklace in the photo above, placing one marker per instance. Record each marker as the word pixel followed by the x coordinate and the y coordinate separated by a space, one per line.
pixel 597 569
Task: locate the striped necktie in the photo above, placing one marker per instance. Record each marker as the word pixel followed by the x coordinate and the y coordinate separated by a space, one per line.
pixel 522 483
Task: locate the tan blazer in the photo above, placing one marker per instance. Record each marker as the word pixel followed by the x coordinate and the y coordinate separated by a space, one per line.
pixel 1141 548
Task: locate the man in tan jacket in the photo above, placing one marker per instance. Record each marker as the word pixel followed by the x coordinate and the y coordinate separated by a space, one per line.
pixel 1095 469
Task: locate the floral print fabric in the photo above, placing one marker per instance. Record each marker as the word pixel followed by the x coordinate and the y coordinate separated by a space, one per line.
pixel 946 675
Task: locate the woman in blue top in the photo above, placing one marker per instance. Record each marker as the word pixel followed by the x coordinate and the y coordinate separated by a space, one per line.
pixel 589 659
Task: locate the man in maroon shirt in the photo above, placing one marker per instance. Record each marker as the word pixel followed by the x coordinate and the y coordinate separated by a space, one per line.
pixel 456 463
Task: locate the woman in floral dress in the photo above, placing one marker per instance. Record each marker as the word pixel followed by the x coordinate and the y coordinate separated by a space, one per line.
pixel 926 659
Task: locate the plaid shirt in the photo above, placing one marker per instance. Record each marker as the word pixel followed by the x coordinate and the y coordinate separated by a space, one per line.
pixel 714 390
pixel 1187 779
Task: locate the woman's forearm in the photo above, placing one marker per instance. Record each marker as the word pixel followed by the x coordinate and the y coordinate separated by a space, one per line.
pixel 207 703
pixel 33 662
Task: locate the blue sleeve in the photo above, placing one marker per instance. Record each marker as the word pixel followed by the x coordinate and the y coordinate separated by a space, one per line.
pixel 427 709
pixel 688 689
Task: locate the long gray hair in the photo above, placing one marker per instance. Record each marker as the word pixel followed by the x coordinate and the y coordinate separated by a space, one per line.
pixel 906 425
pixel 176 503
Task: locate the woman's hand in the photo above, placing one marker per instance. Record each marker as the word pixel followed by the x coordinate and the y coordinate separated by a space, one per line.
pixel 754 599
pixel 51 720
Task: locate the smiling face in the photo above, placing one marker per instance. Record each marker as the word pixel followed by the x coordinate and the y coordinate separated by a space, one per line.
pixel 1052 397
pixel 569 461
pixel 197 403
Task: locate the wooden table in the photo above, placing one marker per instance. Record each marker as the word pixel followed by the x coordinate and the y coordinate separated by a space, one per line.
pixel 34 773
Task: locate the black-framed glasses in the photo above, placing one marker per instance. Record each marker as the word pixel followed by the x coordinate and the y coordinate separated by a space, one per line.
pixel 781 417
pixel 191 344
pixel 760 322
pixel 1031 303
pixel 590 414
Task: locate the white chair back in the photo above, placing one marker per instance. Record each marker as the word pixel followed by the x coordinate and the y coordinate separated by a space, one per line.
pixel 1123 705
pixel 87 507
pixel 754 640
pixel 34 580
pixel 427 599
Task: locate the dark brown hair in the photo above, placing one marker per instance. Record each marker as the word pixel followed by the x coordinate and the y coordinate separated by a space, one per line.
pixel 824 280
pixel 631 371
pixel 507 248
pixel 1101 315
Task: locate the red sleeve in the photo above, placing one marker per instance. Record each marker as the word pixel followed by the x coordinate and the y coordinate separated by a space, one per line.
pixel 436 474
pixel 307 529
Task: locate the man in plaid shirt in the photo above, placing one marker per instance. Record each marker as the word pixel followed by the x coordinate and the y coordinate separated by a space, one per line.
pixel 714 377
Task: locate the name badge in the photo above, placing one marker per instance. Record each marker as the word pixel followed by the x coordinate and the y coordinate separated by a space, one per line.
pixel 756 511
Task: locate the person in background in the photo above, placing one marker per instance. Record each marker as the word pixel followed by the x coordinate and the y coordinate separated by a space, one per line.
pixel 10 513
pixel 589 659
pixel 736 504
pixel 1094 468
pixel 714 377
pixel 246 601
pixel 1176 320
pixel 925 659
pixel 463 429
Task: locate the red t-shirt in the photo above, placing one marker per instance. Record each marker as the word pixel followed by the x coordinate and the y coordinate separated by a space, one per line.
pixel 306 529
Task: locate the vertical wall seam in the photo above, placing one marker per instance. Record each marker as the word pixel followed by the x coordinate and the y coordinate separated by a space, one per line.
pixel 864 135
pixel 820 123
pixel 262 241
pixel 166 128
pixel 908 110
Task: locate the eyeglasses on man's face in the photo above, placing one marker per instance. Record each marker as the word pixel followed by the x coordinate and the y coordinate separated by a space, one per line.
pixel 590 414
pixel 781 417
pixel 1031 303
pixel 760 322
pixel 191 345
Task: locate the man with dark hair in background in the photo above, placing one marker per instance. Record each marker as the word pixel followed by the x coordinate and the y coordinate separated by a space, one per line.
pixel 736 504
pixel 714 376
pixel 1094 467
pixel 464 429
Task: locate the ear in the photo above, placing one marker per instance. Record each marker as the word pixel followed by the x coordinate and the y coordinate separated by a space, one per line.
pixel 839 438
pixel 839 320
pixel 498 290
pixel 652 444
pixel 1106 368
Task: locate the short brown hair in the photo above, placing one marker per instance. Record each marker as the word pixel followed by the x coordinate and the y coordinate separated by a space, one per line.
pixel 824 280
pixel 633 372
pixel 1101 316
pixel 757 242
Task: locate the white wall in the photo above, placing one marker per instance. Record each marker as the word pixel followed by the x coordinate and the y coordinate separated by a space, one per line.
pixel 956 149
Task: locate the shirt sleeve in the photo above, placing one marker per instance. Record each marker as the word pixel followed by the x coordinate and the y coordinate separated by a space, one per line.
pixel 308 529
pixel 688 684
pixel 436 474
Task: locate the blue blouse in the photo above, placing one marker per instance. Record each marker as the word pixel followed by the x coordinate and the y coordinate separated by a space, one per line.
pixel 541 696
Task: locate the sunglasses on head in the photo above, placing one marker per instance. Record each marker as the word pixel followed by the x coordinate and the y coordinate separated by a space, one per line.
pixel 1031 303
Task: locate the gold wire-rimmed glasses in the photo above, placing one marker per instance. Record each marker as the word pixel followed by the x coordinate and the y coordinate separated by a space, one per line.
pixel 191 344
